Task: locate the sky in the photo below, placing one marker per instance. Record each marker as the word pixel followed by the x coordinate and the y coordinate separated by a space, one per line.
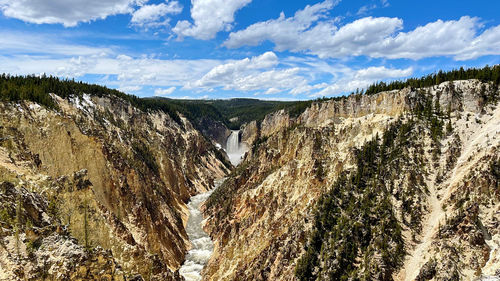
pixel 264 49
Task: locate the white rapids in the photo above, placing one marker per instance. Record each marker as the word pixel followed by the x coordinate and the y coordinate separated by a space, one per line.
pixel 203 246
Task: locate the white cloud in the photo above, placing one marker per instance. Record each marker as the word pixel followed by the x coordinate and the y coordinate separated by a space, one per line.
pixel 284 32
pixel 258 73
pixel 306 88
pixel 204 97
pixel 130 89
pixel 123 57
pixel 164 92
pixel 66 12
pixel 262 74
pixel 365 9
pixel 210 17
pixel 280 79
pixel 30 43
pixel 310 31
pixel 433 39
pixel 351 80
pixel 122 72
pixel 488 43
pixel 271 91
pixel 226 74
pixel 381 72
pixel 154 15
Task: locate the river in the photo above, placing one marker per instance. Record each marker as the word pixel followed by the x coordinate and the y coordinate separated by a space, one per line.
pixel 203 246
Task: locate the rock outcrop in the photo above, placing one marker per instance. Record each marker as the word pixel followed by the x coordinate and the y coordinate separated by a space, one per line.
pixel 249 133
pixel 214 130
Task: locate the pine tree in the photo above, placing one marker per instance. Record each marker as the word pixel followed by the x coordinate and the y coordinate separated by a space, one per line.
pixel 449 128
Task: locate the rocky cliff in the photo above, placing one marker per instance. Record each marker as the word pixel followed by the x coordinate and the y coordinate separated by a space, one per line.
pixel 214 130
pixel 398 185
pixel 97 188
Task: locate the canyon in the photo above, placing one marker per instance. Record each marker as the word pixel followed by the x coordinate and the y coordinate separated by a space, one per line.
pixel 397 185
pixel 109 177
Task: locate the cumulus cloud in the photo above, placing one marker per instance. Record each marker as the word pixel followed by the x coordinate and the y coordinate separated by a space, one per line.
pixel 433 39
pixel 271 91
pixel 283 79
pixel 352 80
pixel 155 14
pixel 284 32
pixel 264 74
pixel 261 74
pixel 209 17
pixel 226 74
pixel 67 12
pixel 305 88
pixel 488 43
pixel 381 72
pixel 310 31
pixel 164 92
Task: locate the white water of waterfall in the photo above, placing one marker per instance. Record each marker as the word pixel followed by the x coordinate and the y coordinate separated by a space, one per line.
pixel 234 149
pixel 203 246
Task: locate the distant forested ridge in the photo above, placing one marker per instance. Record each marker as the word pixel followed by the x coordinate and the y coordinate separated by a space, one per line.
pixel 38 88
pixel 233 112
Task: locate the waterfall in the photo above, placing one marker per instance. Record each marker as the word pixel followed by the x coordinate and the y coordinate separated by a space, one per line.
pixel 233 142
pixel 234 149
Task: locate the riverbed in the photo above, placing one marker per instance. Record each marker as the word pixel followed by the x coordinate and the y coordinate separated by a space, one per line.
pixel 202 245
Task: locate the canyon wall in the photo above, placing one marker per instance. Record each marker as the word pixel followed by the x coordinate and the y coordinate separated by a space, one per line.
pixel 118 177
pixel 264 216
pixel 214 130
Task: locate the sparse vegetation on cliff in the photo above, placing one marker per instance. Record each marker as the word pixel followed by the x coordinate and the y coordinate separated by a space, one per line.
pixel 355 221
pixel 356 234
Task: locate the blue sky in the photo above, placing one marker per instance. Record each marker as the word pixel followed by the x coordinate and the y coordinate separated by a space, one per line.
pixel 264 49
